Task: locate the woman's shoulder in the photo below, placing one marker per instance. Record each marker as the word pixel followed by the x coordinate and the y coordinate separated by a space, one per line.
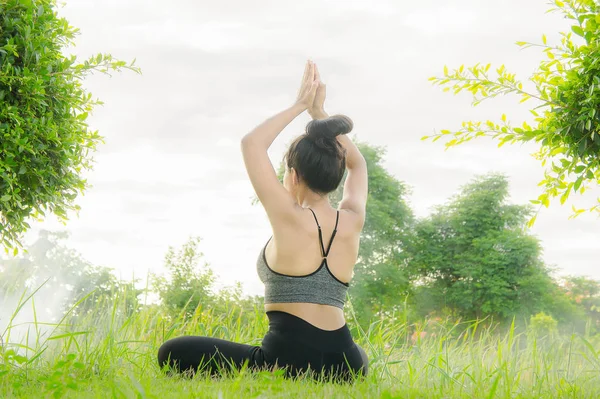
pixel 305 220
pixel 351 222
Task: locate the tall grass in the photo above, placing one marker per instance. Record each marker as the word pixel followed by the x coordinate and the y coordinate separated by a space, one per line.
pixel 107 353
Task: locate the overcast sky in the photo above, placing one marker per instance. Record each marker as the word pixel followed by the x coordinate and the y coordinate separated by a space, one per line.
pixel 212 70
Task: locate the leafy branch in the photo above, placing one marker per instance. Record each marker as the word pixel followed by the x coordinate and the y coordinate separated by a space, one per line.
pixel 566 120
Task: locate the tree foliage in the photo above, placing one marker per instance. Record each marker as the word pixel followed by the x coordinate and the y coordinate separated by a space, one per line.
pixel 566 88
pixel 380 284
pixel 474 257
pixel 584 292
pixel 45 140
pixel 188 284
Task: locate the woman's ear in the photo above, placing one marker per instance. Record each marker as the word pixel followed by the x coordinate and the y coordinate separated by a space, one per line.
pixel 295 177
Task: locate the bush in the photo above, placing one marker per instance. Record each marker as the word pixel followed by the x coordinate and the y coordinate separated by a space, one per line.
pixel 542 325
pixel 45 141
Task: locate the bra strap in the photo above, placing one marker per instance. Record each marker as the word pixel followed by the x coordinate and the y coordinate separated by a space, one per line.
pixel 323 253
pixel 337 219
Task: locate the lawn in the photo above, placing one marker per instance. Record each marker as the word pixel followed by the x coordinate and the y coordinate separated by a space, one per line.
pixel 106 354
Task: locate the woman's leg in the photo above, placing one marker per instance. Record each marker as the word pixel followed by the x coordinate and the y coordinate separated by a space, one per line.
pixel 365 360
pixel 191 354
pixel 347 365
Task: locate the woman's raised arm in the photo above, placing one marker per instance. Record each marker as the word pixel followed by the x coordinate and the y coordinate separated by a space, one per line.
pixel 271 193
pixel 356 188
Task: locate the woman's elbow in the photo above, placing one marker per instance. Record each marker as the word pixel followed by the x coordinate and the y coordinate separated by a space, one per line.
pixel 356 162
pixel 246 143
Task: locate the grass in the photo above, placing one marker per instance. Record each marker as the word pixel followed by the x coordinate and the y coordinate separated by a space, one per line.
pixel 106 354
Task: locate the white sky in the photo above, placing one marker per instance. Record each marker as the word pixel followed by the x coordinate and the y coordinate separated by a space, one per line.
pixel 212 70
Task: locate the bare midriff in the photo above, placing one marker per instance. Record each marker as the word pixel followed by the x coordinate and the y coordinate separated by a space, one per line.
pixel 325 317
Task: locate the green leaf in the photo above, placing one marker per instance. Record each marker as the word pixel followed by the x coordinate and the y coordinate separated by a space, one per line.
pixel 492 392
pixel 20 359
pixel 577 30
pixel 566 194
pixel 578 183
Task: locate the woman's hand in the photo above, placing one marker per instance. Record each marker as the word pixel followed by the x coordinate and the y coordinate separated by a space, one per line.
pixel 308 87
pixel 317 111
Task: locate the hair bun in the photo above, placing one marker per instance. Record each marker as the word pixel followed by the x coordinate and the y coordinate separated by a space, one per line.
pixel 329 128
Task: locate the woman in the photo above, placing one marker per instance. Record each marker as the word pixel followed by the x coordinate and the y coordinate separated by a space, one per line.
pixel 305 280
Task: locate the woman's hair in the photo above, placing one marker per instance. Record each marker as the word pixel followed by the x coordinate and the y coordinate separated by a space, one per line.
pixel 317 156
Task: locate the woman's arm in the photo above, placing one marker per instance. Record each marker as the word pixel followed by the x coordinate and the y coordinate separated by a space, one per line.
pixel 356 188
pixel 264 134
pixel 274 197
pixel 271 193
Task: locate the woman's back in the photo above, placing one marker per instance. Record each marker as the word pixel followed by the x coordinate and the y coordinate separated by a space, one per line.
pixel 295 251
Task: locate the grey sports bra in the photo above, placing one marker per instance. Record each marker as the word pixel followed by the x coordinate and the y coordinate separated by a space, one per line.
pixel 320 287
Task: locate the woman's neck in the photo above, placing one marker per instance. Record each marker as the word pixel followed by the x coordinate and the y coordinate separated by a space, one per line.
pixel 310 199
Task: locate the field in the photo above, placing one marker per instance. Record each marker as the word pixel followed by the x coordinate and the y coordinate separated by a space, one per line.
pixel 108 355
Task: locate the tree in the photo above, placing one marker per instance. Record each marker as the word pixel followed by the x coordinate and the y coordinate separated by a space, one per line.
pixel 566 88
pixel 380 284
pixel 473 257
pixel 584 292
pixel 45 141
pixel 189 287
pixel 188 284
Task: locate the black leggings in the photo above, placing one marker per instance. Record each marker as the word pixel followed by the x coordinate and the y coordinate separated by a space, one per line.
pixel 291 344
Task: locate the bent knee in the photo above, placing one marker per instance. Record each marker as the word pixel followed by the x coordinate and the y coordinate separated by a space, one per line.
pixel 170 352
pixel 365 360
pixel 164 354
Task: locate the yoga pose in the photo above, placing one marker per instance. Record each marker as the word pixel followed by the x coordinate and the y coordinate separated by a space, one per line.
pixel 308 263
